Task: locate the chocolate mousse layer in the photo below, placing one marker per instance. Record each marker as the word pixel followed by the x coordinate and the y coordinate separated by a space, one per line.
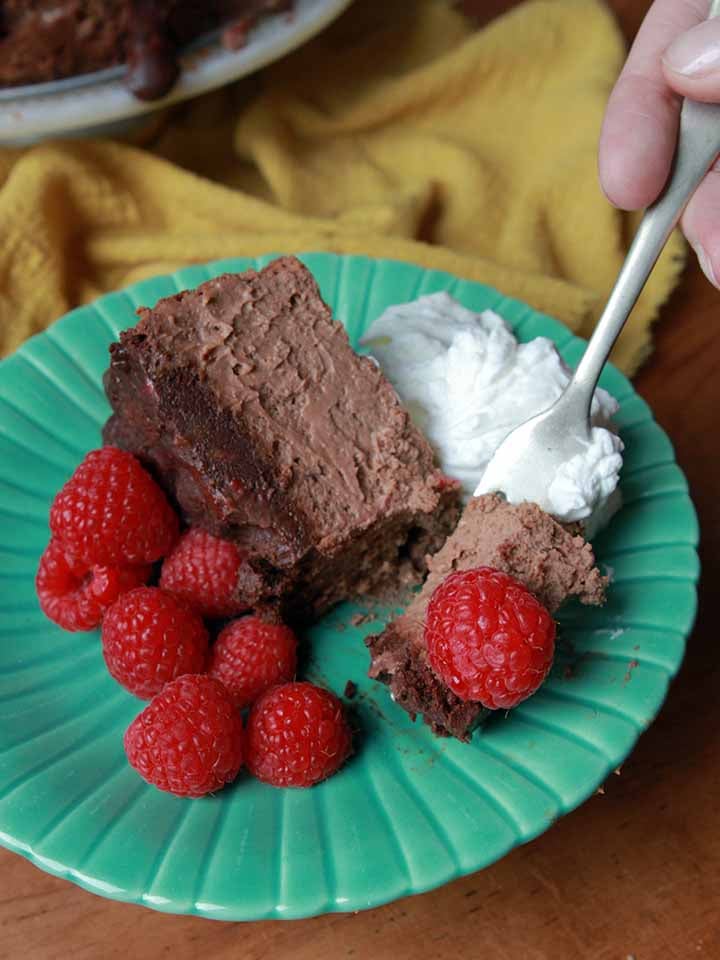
pixel 248 402
pixel 553 562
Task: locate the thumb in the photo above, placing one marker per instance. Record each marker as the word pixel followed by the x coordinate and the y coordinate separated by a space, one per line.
pixel 691 63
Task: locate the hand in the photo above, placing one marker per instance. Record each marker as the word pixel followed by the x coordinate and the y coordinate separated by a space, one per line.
pixel 676 54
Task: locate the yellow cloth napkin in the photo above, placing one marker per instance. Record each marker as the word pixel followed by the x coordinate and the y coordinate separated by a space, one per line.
pixel 400 132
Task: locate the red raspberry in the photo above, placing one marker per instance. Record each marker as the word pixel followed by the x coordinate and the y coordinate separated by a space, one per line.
pixel 488 637
pixel 149 638
pixel 111 511
pixel 74 594
pixel 189 738
pixel 203 570
pixel 250 655
pixel 296 735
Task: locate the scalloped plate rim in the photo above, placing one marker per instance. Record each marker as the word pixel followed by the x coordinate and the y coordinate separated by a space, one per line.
pixel 237 912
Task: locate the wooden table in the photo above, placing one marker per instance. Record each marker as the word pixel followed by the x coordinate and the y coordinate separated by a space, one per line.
pixel 634 873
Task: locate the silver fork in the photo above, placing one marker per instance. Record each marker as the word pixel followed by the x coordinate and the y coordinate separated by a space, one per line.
pixel 531 454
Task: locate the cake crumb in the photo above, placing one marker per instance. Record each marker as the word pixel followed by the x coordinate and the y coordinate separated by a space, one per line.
pixel 234 36
pixel 358 619
pixel 631 666
pixel 350 690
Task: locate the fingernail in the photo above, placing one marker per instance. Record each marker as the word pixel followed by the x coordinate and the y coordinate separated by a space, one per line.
pixel 706 264
pixel 696 52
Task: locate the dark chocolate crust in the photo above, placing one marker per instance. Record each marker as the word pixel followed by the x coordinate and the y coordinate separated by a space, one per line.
pixel 553 562
pixel 43 40
pixel 398 663
pixel 248 402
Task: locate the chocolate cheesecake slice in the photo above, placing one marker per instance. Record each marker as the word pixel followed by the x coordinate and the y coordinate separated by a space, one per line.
pixel 247 401
pixel 553 562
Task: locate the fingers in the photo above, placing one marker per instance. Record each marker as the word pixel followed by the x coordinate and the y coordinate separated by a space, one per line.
pixel 640 127
pixel 701 225
pixel 676 54
pixel 637 142
pixel 691 64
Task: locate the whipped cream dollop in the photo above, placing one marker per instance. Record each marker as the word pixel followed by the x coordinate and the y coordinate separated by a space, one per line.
pixel 467 383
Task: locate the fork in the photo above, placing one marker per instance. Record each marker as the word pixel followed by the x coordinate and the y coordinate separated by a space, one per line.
pixel 528 459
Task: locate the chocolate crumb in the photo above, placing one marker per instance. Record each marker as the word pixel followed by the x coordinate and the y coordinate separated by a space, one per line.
pixel 350 690
pixel 235 35
pixel 358 619
pixel 631 666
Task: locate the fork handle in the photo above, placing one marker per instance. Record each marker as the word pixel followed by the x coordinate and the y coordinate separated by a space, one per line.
pixel 697 147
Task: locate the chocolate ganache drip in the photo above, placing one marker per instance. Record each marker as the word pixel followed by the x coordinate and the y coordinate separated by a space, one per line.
pixel 152 63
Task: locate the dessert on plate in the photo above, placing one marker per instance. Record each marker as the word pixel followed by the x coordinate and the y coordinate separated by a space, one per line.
pixel 468 382
pixel 554 563
pixel 42 40
pixel 266 428
pixel 242 413
pixel 246 400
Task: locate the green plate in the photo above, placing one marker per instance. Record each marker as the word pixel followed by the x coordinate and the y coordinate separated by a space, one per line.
pixel 409 812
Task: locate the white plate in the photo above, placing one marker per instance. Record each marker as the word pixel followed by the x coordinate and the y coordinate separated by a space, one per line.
pixel 100 104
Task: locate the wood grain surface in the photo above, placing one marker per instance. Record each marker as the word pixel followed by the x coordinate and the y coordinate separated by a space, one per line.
pixel 634 873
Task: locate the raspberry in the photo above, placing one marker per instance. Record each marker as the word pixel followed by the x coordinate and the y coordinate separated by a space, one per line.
pixel 296 735
pixel 111 511
pixel 149 638
pixel 488 637
pixel 250 655
pixel 203 570
pixel 74 594
pixel 189 738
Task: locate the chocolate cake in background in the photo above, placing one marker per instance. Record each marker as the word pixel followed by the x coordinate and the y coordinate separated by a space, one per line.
pixel 42 40
pixel 247 400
